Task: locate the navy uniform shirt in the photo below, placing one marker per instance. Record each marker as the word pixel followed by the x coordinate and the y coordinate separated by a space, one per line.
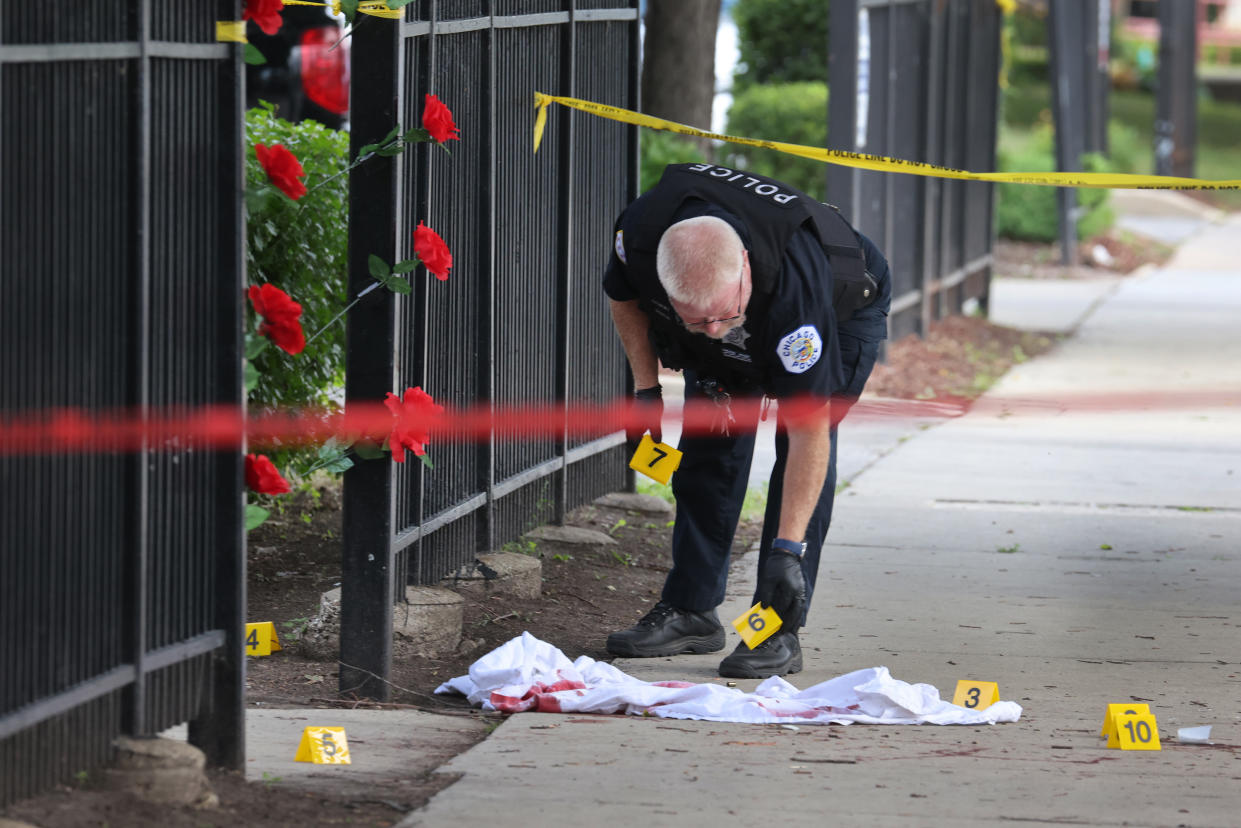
pixel 792 334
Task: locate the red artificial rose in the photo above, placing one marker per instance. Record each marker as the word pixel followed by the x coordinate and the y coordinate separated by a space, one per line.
pixel 283 169
pixel 432 251
pixel 281 317
pixel 437 120
pixel 414 415
pixel 262 476
pixel 265 13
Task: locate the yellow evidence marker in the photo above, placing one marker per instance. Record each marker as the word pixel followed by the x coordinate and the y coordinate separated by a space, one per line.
pixel 1137 731
pixel 323 746
pixel 757 624
pixel 656 460
pixel 261 638
pixel 1131 727
pixel 976 695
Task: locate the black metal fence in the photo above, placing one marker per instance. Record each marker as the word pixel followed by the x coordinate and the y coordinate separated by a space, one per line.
pixel 522 318
pixel 121 605
pixel 917 80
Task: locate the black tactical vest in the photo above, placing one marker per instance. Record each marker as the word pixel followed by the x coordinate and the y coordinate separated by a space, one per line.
pixel 771 212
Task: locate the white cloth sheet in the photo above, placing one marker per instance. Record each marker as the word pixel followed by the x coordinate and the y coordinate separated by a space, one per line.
pixel 527 674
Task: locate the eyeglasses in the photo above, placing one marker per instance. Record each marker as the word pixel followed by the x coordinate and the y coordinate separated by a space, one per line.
pixel 705 322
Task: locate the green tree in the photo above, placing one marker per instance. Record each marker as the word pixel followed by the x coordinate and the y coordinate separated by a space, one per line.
pixel 678 60
pixel 780 41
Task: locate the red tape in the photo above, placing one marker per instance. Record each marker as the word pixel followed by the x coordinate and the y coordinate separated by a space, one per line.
pixel 76 431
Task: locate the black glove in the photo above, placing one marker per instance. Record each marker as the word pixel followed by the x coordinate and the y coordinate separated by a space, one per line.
pixel 645 415
pixel 782 586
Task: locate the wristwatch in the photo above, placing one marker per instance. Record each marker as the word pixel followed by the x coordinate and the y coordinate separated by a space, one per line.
pixel 797 548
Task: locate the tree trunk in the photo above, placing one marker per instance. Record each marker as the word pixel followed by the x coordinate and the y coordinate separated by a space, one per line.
pixel 678 60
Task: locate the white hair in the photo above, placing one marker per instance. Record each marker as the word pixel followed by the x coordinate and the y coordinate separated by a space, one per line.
pixel 698 258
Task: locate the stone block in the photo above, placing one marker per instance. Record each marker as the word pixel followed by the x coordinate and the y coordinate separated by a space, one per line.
pixel 502 573
pixel 571 536
pixel 634 502
pixel 428 622
pixel 163 771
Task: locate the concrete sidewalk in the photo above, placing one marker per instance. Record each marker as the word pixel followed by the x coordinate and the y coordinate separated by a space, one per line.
pixel 1078 559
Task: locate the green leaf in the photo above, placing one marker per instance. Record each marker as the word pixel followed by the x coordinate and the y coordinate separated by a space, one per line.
pixel 255 345
pixel 251 376
pixel 426 461
pixel 392 133
pixel 349 8
pixel 406 266
pixel 333 457
pixel 368 450
pixel 253 56
pixel 255 515
pixel 378 267
pixel 398 4
pixel 398 285
pixel 258 199
pixel 368 148
pixel 390 152
pixel 340 466
pixel 415 135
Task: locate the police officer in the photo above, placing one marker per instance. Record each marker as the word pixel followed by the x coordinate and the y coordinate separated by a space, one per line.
pixel 755 290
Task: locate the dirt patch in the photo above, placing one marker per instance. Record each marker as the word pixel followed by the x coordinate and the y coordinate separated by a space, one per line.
pixel 587 592
pixel 241 804
pixel 958 359
pixel 1115 253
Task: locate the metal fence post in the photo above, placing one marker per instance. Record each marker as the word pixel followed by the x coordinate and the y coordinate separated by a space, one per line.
pixel 221 733
pixel 1096 25
pixel 1176 105
pixel 1066 86
pixel 564 244
pixel 368 562
pixel 842 111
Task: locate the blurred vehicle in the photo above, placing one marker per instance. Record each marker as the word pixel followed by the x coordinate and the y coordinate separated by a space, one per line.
pixel 307 71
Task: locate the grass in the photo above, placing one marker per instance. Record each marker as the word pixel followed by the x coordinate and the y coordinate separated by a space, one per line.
pixel 752 507
pixel 1218 153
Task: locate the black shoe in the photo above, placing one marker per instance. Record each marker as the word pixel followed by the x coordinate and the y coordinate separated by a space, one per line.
pixel 777 656
pixel 667 630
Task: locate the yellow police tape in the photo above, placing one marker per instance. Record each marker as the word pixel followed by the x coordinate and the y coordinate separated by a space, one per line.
pixel 375 8
pixel 882 163
pixel 233 31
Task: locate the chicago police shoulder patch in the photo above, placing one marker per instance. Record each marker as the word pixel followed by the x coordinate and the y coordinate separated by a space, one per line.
pixel 800 350
pixel 620 246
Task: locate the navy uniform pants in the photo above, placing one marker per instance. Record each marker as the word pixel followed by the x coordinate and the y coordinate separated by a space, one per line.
pixel 710 486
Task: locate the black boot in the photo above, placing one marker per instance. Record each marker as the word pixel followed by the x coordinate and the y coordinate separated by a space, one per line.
pixel 667 630
pixel 777 656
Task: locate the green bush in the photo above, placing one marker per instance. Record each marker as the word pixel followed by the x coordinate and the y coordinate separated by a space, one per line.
pixel 1030 211
pixel 301 248
pixel 1127 150
pixel 794 113
pixel 659 149
pixel 780 41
